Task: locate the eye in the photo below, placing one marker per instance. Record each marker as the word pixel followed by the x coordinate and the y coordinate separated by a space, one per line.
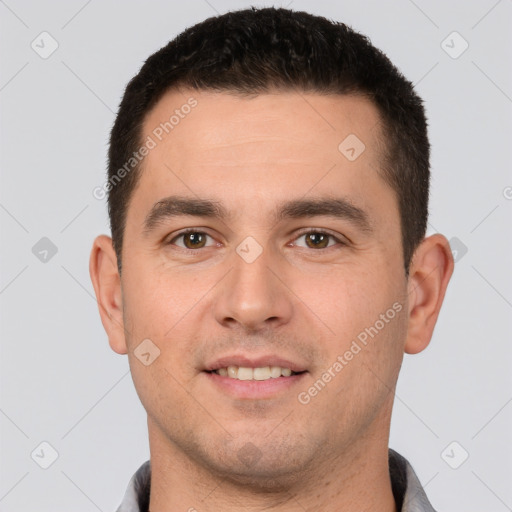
pixel 191 239
pixel 316 239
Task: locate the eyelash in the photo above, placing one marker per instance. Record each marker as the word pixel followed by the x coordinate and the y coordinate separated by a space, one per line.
pixel 302 233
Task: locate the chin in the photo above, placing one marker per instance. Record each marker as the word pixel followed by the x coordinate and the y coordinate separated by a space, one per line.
pixel 261 479
pixel 270 469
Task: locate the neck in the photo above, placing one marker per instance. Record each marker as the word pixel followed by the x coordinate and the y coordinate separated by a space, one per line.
pixel 358 480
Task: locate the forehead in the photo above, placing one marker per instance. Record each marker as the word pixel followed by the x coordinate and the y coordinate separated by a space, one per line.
pixel 268 147
pixel 210 121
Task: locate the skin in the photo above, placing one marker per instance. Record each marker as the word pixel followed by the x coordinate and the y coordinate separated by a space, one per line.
pixel 302 302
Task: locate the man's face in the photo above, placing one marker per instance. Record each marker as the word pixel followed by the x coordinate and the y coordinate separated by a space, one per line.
pixel 256 289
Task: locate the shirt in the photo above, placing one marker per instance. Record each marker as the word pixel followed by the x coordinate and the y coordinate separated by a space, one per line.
pixel 407 490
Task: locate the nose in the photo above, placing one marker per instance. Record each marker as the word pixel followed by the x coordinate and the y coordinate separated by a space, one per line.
pixel 254 296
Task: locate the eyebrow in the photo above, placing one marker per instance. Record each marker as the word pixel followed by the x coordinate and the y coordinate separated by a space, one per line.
pixel 176 206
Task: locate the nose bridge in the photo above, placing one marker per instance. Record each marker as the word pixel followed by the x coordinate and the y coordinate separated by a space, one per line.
pixel 252 295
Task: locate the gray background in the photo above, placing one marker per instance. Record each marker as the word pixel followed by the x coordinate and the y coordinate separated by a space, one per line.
pixel 61 383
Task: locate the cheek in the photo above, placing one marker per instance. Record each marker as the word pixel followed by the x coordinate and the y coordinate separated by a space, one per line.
pixel 352 298
pixel 157 312
pixel 366 313
pixel 157 302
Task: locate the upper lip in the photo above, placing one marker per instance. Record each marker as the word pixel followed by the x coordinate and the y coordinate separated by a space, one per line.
pixel 254 362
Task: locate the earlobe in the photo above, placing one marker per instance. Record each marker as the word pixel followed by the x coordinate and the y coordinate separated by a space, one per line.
pixel 107 286
pixel 430 273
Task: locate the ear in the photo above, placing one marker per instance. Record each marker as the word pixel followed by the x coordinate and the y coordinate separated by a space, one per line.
pixel 107 286
pixel 429 274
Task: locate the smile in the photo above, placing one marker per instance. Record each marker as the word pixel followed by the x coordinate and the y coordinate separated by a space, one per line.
pixel 262 373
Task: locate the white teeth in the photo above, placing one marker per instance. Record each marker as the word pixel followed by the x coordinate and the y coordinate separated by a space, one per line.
pixel 245 373
pixel 275 371
pixel 262 373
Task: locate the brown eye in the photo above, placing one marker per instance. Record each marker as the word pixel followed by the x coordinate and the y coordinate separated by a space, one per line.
pixel 194 240
pixel 318 240
pixel 191 240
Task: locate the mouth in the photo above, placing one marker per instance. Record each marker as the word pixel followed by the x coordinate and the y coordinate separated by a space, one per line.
pixel 251 380
pixel 261 373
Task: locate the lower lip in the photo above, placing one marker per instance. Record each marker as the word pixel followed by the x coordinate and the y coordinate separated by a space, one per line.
pixel 254 389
